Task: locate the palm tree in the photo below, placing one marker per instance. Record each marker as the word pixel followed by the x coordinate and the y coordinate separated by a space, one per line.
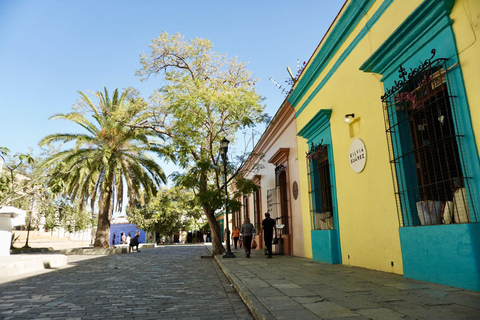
pixel 108 162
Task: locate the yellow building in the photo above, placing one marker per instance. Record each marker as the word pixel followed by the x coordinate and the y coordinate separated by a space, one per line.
pixel 386 112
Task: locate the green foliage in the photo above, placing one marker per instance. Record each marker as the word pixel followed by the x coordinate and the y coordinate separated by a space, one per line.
pixel 204 97
pixel 50 215
pixel 245 186
pixel 106 160
pixel 62 213
pixel 4 151
pixel 170 211
pixel 32 184
pixel 4 186
pixel 205 227
pixel 15 184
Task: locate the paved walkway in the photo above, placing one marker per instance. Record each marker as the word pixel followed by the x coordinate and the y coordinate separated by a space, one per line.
pixel 175 282
pixel 288 287
pixel 170 282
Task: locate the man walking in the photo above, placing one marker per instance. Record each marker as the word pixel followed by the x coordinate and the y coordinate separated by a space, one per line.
pixel 268 225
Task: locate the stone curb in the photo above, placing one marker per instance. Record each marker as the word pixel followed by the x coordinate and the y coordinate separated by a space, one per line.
pixel 258 311
pixel 94 251
pixel 105 251
pixel 22 263
pixel 256 308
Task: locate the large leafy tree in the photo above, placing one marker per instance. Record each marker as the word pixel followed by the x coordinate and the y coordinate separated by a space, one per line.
pixel 169 212
pixel 17 183
pixel 59 212
pixel 27 186
pixel 109 161
pixel 204 98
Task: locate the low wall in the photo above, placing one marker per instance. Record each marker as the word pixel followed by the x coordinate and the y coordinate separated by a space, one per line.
pixel 57 239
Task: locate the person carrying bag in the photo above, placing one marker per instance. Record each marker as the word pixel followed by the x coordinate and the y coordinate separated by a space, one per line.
pixel 254 244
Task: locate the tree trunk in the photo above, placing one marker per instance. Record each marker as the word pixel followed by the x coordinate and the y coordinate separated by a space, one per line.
pixel 215 233
pixel 102 237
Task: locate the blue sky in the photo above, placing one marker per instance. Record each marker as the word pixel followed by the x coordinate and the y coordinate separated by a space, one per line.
pixel 50 49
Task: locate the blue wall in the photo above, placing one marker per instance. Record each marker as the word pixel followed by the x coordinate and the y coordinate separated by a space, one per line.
pixel 445 254
pixel 131 229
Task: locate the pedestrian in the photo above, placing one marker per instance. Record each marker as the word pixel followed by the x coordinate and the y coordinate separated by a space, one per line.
pixel 134 243
pixel 128 239
pixel 247 231
pixel 205 237
pixel 268 225
pixel 124 238
pixel 235 236
pixel 113 241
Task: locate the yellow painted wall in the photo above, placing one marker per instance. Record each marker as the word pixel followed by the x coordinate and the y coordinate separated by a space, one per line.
pixel 304 197
pixel 367 210
pixel 466 25
pixel 366 204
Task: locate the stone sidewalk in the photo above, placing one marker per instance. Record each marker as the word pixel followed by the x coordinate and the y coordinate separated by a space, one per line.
pixel 287 287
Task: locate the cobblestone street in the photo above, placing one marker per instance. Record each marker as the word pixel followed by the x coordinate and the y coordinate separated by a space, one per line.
pixel 170 282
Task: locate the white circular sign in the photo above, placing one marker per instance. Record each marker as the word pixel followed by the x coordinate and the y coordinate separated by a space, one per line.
pixel 357 155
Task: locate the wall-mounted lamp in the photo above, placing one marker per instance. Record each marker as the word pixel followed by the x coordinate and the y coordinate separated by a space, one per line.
pixel 349 118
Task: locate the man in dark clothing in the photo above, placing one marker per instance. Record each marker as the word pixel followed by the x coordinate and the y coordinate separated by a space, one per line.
pixel 134 243
pixel 268 225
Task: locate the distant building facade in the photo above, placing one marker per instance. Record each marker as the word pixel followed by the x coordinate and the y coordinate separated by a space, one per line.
pixel 120 225
pixel 273 166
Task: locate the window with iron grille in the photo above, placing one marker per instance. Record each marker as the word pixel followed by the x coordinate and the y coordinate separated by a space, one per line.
pixel 320 188
pixel 283 205
pixel 425 148
pixel 237 218
pixel 256 208
pixel 245 207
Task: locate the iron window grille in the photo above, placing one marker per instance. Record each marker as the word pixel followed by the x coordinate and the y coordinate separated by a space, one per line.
pixel 320 188
pixel 245 207
pixel 282 197
pixel 256 208
pixel 425 148
pixel 237 218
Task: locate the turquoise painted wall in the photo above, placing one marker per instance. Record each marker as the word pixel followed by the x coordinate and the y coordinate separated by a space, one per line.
pixel 445 254
pixel 325 246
